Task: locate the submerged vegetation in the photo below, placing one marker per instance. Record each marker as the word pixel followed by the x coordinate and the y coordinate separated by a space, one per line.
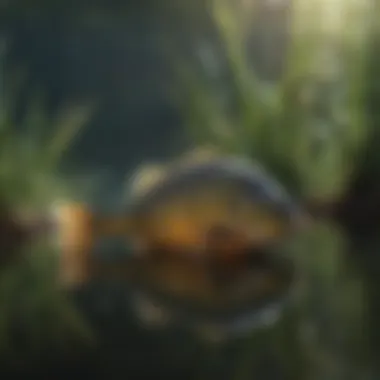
pixel 35 315
pixel 310 127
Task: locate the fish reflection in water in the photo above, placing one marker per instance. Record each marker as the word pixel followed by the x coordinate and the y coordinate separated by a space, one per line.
pixel 181 293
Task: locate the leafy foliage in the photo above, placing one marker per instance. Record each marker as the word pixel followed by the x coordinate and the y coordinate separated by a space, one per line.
pixel 31 302
pixel 309 129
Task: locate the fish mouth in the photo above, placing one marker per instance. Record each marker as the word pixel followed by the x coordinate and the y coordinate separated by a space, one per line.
pixel 266 282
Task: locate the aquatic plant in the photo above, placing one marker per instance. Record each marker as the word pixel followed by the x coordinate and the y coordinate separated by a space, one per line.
pixel 35 315
pixel 309 128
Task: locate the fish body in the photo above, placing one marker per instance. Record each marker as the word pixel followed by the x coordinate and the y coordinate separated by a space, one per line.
pixel 184 206
pixel 202 227
pixel 216 210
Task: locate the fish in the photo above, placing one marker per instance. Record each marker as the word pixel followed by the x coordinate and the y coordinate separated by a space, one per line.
pixel 176 209
pixel 202 230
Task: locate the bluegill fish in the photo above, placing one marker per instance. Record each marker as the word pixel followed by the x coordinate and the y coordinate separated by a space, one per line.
pixel 178 210
pixel 204 206
pixel 200 229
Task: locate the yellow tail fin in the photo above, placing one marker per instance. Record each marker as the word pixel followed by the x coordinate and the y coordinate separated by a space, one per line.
pixel 75 239
pixel 78 229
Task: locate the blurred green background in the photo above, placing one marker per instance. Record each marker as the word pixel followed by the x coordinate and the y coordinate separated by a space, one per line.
pixel 291 83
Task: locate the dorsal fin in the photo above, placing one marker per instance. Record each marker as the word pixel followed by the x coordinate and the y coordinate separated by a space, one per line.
pixel 146 178
pixel 199 155
pixel 149 175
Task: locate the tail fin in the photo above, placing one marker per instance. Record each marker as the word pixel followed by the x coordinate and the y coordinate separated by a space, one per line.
pixel 78 229
pixel 149 175
pixel 75 239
